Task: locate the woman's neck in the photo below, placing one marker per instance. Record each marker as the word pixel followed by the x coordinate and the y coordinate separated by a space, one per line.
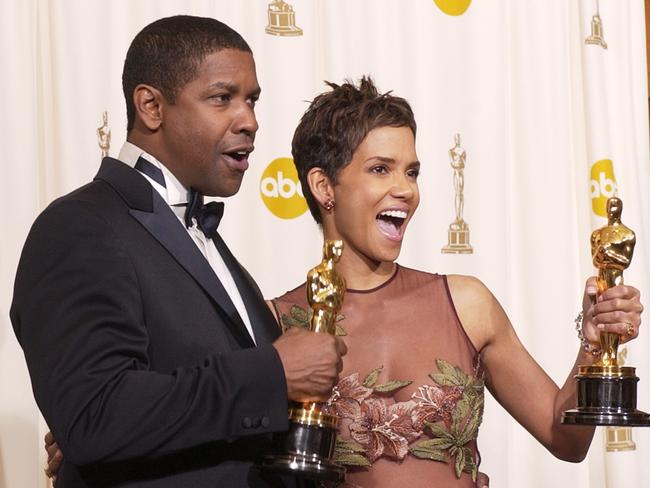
pixel 360 273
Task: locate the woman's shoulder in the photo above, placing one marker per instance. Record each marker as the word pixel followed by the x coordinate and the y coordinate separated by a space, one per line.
pixel 292 294
pixel 467 287
pixel 417 274
pixel 475 306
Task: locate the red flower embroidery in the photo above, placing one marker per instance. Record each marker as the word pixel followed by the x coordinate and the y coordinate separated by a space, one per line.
pixel 434 404
pixel 346 398
pixel 384 430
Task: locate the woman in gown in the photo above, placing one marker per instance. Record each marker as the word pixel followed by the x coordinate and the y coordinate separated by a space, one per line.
pixel 421 346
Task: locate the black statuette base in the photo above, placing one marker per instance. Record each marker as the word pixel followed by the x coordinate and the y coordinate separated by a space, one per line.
pixel 305 451
pixel 606 400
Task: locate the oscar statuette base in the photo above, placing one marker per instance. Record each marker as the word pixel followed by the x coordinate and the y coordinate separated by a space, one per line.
pixel 606 396
pixel 306 449
pixel 458 239
pixel 284 31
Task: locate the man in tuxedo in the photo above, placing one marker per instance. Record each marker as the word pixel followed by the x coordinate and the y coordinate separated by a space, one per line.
pixel 152 354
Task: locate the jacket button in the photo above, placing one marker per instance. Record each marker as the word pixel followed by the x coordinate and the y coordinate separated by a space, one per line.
pixel 256 422
pixel 266 422
pixel 246 422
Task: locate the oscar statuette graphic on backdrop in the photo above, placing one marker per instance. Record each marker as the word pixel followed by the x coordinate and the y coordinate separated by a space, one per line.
pixel 307 448
pixel 104 135
pixel 607 390
pixel 458 232
pixel 282 20
pixel 596 37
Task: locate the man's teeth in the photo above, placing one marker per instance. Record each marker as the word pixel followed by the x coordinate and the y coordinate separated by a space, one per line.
pixel 399 214
pixel 239 155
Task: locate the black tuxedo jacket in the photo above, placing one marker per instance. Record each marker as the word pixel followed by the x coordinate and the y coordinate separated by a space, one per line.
pixel 139 361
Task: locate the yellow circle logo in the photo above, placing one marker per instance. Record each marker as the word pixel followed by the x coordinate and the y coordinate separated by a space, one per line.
pixel 453 7
pixel 602 185
pixel 281 191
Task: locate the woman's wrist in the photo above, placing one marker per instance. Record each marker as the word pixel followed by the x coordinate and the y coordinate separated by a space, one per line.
pixel 586 346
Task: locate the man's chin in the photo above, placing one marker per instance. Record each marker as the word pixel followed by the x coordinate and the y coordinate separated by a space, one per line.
pixel 222 190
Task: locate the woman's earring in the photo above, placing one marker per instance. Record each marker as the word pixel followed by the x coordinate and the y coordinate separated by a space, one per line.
pixel 329 205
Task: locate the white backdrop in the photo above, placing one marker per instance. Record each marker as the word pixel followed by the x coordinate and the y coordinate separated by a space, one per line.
pixel 536 108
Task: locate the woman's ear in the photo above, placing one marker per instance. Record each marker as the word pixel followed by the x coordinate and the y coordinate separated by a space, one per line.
pixel 321 187
pixel 148 103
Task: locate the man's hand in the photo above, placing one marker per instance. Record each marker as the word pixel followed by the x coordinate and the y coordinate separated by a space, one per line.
pixel 54 457
pixel 312 363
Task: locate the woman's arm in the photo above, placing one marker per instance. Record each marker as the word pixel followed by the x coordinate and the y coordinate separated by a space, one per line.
pixel 514 377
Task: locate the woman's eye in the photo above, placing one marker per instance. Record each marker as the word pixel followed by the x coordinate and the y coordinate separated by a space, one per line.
pixel 413 173
pixel 379 169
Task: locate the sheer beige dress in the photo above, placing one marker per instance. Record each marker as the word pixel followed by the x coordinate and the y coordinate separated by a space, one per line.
pixel 410 397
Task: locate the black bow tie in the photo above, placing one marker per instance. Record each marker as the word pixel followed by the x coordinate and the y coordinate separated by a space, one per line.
pixel 207 215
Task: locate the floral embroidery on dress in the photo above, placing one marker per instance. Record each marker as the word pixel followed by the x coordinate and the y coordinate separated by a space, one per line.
pixel 449 436
pixel 447 415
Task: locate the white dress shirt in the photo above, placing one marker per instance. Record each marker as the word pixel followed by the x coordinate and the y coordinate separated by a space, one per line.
pixel 175 194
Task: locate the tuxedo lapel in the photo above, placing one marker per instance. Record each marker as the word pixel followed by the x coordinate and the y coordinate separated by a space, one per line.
pixel 264 325
pixel 148 208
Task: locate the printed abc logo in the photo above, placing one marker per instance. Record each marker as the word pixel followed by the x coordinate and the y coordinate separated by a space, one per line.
pixel 281 191
pixel 602 185
pixel 453 7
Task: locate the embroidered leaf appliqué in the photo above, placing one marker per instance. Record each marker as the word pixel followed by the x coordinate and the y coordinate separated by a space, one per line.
pixel 300 317
pixel 433 449
pixel 371 379
pixel 349 453
pixel 450 375
pixel 391 386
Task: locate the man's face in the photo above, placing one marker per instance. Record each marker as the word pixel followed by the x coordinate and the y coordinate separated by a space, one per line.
pixel 208 133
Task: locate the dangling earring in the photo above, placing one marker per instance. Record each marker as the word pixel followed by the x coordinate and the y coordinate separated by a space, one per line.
pixel 329 205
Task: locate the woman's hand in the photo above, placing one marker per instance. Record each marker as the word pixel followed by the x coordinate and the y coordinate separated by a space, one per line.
pixel 54 457
pixel 617 310
pixel 482 480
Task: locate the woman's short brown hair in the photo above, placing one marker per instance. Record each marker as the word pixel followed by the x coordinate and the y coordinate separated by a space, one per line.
pixel 336 123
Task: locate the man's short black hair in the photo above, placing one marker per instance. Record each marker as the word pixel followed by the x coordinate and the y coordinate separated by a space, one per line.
pixel 167 53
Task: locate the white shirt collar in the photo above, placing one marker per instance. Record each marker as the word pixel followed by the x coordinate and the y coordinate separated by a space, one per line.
pixel 174 193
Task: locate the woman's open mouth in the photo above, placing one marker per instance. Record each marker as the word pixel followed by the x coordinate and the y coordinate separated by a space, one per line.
pixel 391 223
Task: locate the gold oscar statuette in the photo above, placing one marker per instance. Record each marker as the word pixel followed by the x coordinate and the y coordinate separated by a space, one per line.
pixel 282 20
pixel 104 135
pixel 458 232
pixel 307 448
pixel 607 389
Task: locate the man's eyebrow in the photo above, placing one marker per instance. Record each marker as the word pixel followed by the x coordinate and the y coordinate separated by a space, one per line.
pixel 232 88
pixel 223 84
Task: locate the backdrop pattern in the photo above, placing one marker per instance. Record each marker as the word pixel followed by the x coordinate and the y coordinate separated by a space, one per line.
pixel 550 124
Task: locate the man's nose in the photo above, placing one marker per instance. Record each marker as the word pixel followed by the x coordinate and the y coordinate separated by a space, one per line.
pixel 246 121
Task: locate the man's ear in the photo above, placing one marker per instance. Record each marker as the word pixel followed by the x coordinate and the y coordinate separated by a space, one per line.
pixel 148 102
pixel 321 186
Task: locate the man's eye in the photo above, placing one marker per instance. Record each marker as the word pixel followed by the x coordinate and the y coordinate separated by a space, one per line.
pixel 222 97
pixel 253 101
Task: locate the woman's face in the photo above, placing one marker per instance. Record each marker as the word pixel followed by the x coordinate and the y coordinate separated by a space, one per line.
pixel 376 195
